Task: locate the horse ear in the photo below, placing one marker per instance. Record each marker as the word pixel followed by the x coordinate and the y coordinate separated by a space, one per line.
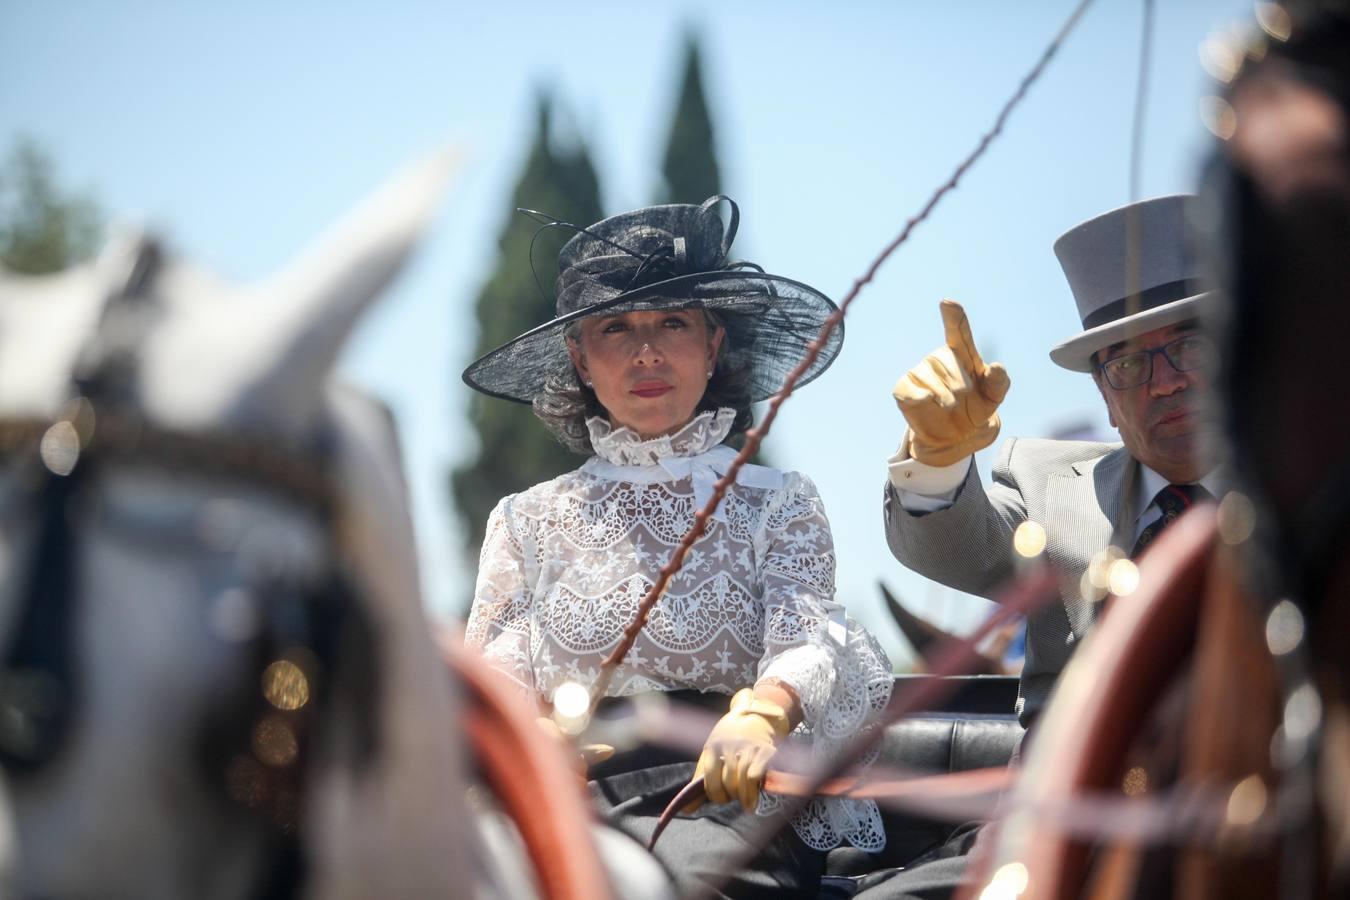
pixel 210 354
pixel 318 298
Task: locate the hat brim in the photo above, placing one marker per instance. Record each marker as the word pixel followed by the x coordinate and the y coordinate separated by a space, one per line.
pixel 1075 354
pixel 776 319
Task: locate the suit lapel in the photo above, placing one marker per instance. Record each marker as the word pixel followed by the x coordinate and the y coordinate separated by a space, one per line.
pixel 1114 478
pixel 1090 507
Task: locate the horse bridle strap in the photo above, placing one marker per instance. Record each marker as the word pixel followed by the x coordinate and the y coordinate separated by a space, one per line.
pixel 36 665
pixel 80 433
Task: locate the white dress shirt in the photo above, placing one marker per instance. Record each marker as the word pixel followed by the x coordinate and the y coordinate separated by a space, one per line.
pixel 925 488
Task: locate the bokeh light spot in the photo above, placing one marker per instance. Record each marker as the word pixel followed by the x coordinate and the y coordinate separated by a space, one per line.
pixel 1029 539
pixel 1247 802
pixel 1302 714
pixel 80 414
pixel 1284 628
pixel 274 743
pixel 1008 882
pixel 1124 577
pixel 1218 117
pixel 1274 20
pixel 1221 57
pixel 60 448
pixel 1237 517
pixel 1099 569
pixel 571 707
pixel 285 685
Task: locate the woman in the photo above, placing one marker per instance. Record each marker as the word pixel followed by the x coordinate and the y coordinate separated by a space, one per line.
pixel 658 350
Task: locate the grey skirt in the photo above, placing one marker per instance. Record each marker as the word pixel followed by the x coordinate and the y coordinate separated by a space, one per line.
pixel 630 791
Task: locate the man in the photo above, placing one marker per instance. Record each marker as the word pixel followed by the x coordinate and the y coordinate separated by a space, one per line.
pixel 1096 503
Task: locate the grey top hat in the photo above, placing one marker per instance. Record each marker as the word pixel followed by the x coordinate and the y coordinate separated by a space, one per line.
pixel 1167 282
pixel 667 257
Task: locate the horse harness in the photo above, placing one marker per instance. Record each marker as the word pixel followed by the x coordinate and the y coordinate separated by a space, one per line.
pixel 256 752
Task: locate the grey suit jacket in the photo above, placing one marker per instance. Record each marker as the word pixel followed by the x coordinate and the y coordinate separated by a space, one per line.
pixel 1080 492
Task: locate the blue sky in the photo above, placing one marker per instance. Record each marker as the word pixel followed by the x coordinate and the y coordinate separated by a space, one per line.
pixel 241 129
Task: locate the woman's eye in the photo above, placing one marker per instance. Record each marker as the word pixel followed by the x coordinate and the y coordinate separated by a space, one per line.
pixel 676 322
pixel 613 328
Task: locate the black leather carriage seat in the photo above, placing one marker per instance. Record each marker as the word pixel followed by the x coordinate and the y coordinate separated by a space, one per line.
pixel 973 727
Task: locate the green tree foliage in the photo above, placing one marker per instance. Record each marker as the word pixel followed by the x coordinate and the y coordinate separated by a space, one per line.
pixel 42 228
pixel 689 168
pixel 514 449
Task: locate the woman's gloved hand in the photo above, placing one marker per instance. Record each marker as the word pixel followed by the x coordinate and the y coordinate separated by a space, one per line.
pixel 738 750
pixel 951 398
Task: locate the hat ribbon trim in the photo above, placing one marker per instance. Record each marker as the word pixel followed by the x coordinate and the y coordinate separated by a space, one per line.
pixel 1152 298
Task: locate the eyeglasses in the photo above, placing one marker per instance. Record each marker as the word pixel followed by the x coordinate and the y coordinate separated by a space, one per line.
pixel 1185 354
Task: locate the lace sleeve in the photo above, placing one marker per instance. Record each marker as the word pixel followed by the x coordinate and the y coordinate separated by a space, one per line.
pixel 838 670
pixel 797 573
pixel 499 621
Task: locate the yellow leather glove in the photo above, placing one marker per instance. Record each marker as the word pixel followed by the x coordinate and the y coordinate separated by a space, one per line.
pixel 585 756
pixel 738 750
pixel 949 399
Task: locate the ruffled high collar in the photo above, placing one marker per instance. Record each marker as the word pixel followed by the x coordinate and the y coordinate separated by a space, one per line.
pixel 625 447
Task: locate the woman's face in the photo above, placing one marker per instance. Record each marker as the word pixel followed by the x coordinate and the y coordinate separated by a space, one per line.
pixel 649 369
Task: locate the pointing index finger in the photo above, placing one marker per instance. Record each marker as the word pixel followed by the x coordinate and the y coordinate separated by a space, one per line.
pixel 959 339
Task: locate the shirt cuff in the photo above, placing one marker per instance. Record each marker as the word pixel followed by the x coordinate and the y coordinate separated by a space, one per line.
pixel 917 482
pixel 809 670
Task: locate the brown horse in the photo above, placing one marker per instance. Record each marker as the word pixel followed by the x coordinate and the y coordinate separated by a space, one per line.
pixel 1199 745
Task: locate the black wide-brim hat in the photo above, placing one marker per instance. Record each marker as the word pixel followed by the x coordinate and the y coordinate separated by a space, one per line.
pixel 668 257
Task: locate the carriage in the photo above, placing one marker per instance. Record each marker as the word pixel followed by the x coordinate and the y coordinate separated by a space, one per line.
pixel 219 680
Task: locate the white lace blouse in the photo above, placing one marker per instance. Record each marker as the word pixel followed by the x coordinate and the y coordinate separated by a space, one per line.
pixel 566 563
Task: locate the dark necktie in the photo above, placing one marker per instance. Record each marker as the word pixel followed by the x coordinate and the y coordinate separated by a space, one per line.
pixel 1173 500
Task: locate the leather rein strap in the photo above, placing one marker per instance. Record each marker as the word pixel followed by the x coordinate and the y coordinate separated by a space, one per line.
pixel 529 777
pixel 927 791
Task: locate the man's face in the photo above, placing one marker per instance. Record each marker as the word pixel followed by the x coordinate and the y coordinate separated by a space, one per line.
pixel 1160 420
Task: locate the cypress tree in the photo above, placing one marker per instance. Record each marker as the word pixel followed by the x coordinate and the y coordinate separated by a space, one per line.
pixel 689 168
pixel 514 449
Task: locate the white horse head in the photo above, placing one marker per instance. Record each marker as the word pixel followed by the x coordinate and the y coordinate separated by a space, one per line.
pixel 217 677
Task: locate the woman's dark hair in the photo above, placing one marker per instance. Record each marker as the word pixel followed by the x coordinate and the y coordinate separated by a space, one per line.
pixel 565 403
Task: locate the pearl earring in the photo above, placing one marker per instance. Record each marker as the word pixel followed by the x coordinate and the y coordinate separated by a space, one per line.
pixel 710 371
